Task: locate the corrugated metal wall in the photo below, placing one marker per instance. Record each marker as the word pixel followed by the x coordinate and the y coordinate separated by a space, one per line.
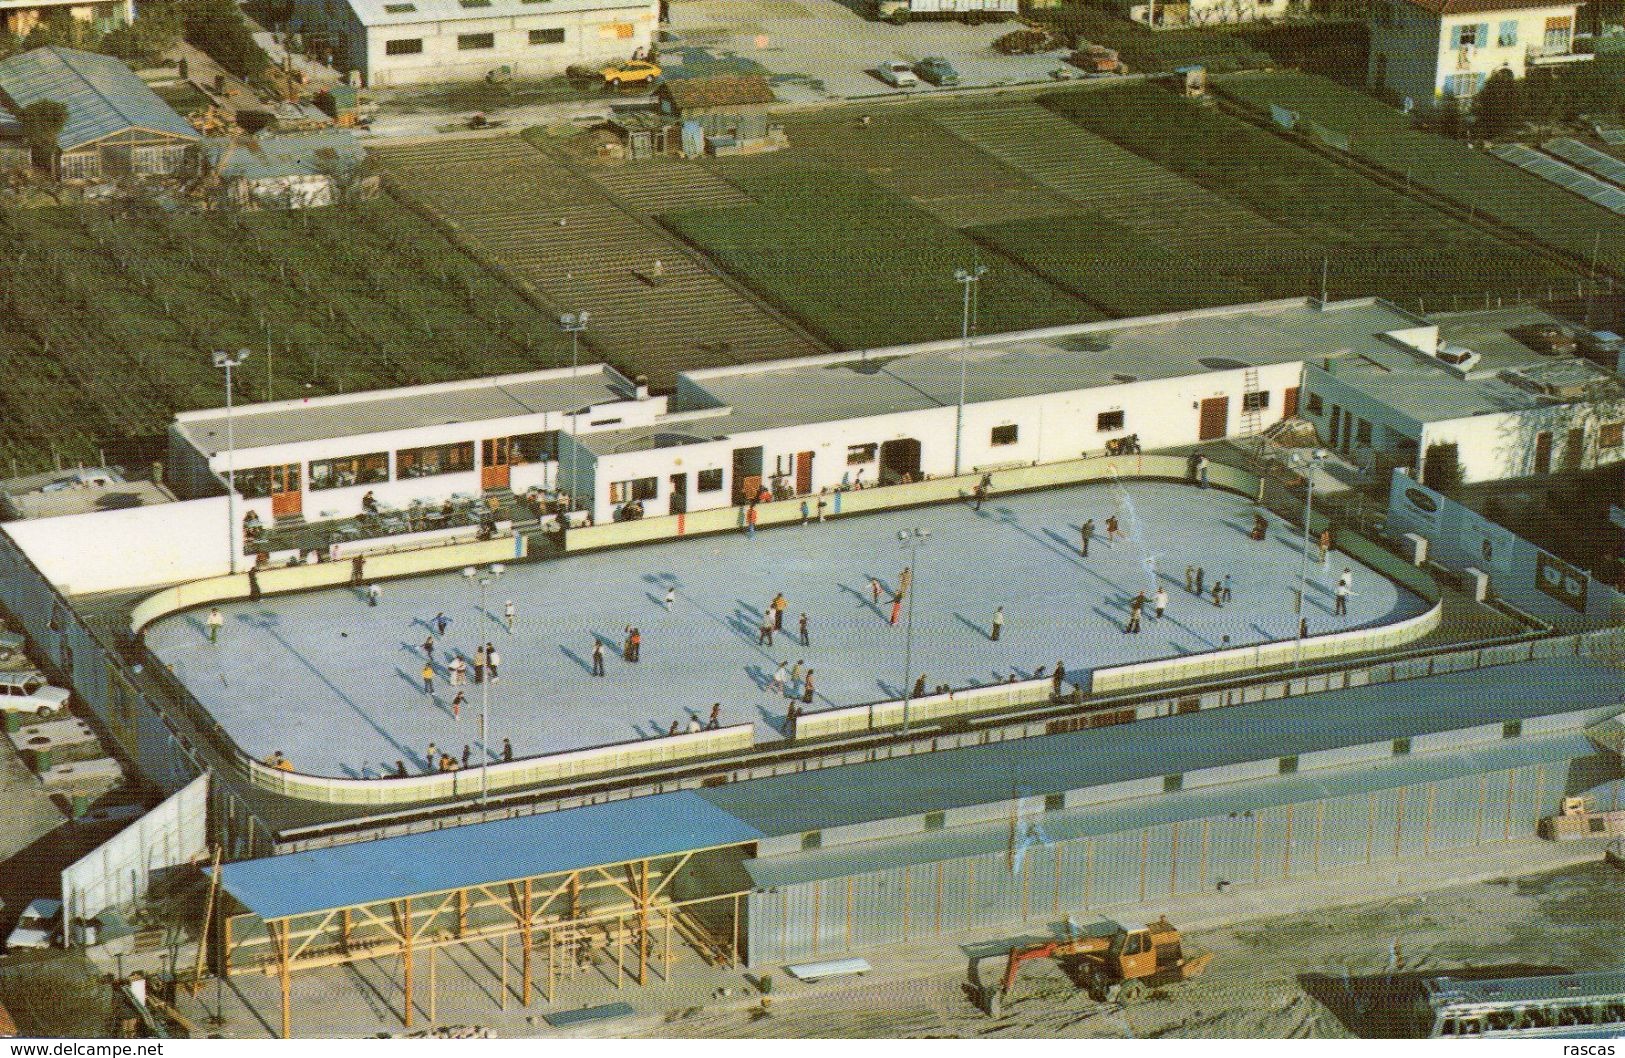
pixel 1041 883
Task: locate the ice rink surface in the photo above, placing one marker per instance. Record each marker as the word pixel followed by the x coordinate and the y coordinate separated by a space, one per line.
pixel 336 685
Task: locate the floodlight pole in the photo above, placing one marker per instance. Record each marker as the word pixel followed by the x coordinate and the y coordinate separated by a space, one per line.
pixel 229 361
pixel 968 279
pixel 1313 461
pixel 574 323
pixel 485 580
pixel 911 540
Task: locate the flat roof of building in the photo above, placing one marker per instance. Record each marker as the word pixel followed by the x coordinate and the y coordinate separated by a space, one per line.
pixel 1009 366
pixel 480 854
pixel 960 778
pixel 382 411
pixel 1427 393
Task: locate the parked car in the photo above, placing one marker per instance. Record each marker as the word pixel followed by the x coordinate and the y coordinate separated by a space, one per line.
pixel 28 691
pixel 897 74
pixel 636 71
pixel 40 926
pixel 936 70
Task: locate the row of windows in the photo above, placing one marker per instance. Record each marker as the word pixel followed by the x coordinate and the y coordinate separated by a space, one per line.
pixel 373 467
pixel 1478 36
pixel 649 488
pixel 470 41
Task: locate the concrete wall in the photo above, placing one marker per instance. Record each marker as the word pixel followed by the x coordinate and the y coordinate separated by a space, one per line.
pixel 118 872
pixel 1496 447
pixel 1460 538
pixel 1405 50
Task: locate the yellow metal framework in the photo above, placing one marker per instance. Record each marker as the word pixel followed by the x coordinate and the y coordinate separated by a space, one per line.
pixel 625 910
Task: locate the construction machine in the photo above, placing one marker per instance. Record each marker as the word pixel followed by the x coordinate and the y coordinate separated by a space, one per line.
pixel 1118 967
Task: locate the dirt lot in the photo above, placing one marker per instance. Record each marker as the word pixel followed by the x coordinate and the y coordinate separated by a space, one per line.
pixel 1344 973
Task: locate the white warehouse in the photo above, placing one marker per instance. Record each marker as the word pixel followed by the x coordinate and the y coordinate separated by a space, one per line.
pixel 402 42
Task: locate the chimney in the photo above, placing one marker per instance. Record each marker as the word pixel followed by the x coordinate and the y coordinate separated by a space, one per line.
pixel 640 388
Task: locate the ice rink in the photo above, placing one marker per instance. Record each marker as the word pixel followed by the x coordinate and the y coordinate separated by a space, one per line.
pixel 336 685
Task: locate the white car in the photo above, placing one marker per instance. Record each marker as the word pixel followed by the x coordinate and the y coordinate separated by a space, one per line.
pixel 897 74
pixel 27 691
pixel 39 927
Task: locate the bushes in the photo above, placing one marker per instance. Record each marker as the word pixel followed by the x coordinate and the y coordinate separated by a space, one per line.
pixel 217 27
pixel 42 123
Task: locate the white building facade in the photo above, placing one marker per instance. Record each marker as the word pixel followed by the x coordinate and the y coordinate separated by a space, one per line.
pixel 1435 50
pixel 402 42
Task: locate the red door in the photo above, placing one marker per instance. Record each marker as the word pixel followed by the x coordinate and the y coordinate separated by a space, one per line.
pixel 286 499
pixel 803 473
pixel 1289 403
pixel 1215 418
pixel 496 461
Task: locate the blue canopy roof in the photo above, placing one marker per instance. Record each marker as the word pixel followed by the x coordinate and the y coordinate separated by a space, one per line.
pixel 482 854
pixel 102 94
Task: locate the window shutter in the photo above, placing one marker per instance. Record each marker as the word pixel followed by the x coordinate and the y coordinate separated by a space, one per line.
pixel 1484 35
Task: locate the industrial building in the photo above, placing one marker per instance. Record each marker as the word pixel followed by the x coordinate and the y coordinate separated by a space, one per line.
pixel 389 43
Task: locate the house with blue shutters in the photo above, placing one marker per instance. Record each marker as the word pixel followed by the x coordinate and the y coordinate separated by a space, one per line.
pixel 1432 51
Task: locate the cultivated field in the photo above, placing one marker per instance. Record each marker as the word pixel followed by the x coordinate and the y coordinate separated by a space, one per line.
pixel 1377 241
pixel 859 265
pixel 1169 243
pixel 110 320
pixel 581 247
pixel 1449 167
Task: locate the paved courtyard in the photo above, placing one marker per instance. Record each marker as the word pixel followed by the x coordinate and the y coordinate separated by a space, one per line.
pixel 336 685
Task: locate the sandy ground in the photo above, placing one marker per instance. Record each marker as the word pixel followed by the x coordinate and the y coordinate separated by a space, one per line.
pixel 1284 967
pixel 1353 972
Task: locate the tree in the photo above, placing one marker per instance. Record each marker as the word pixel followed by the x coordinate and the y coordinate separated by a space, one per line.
pixel 1498 107
pixel 1443 470
pixel 217 27
pixel 43 121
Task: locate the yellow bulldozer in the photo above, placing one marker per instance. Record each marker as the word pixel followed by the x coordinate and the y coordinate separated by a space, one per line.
pixel 1120 966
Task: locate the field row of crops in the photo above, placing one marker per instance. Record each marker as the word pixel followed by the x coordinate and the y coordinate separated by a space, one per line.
pixel 112 318
pixel 1377 241
pixel 1449 167
pixel 860 266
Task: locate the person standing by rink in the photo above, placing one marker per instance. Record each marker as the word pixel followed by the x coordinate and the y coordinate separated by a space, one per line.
pixel 1345 585
pixel 802 627
pixel 597 657
pixel 215 621
pixel 1086 532
pixel 1159 602
pixel 508 615
pixel 998 624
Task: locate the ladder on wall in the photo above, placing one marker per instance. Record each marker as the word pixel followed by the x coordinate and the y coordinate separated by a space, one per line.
pixel 1252 416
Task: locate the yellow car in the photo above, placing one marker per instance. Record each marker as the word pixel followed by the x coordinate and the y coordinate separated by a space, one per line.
pixel 635 72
